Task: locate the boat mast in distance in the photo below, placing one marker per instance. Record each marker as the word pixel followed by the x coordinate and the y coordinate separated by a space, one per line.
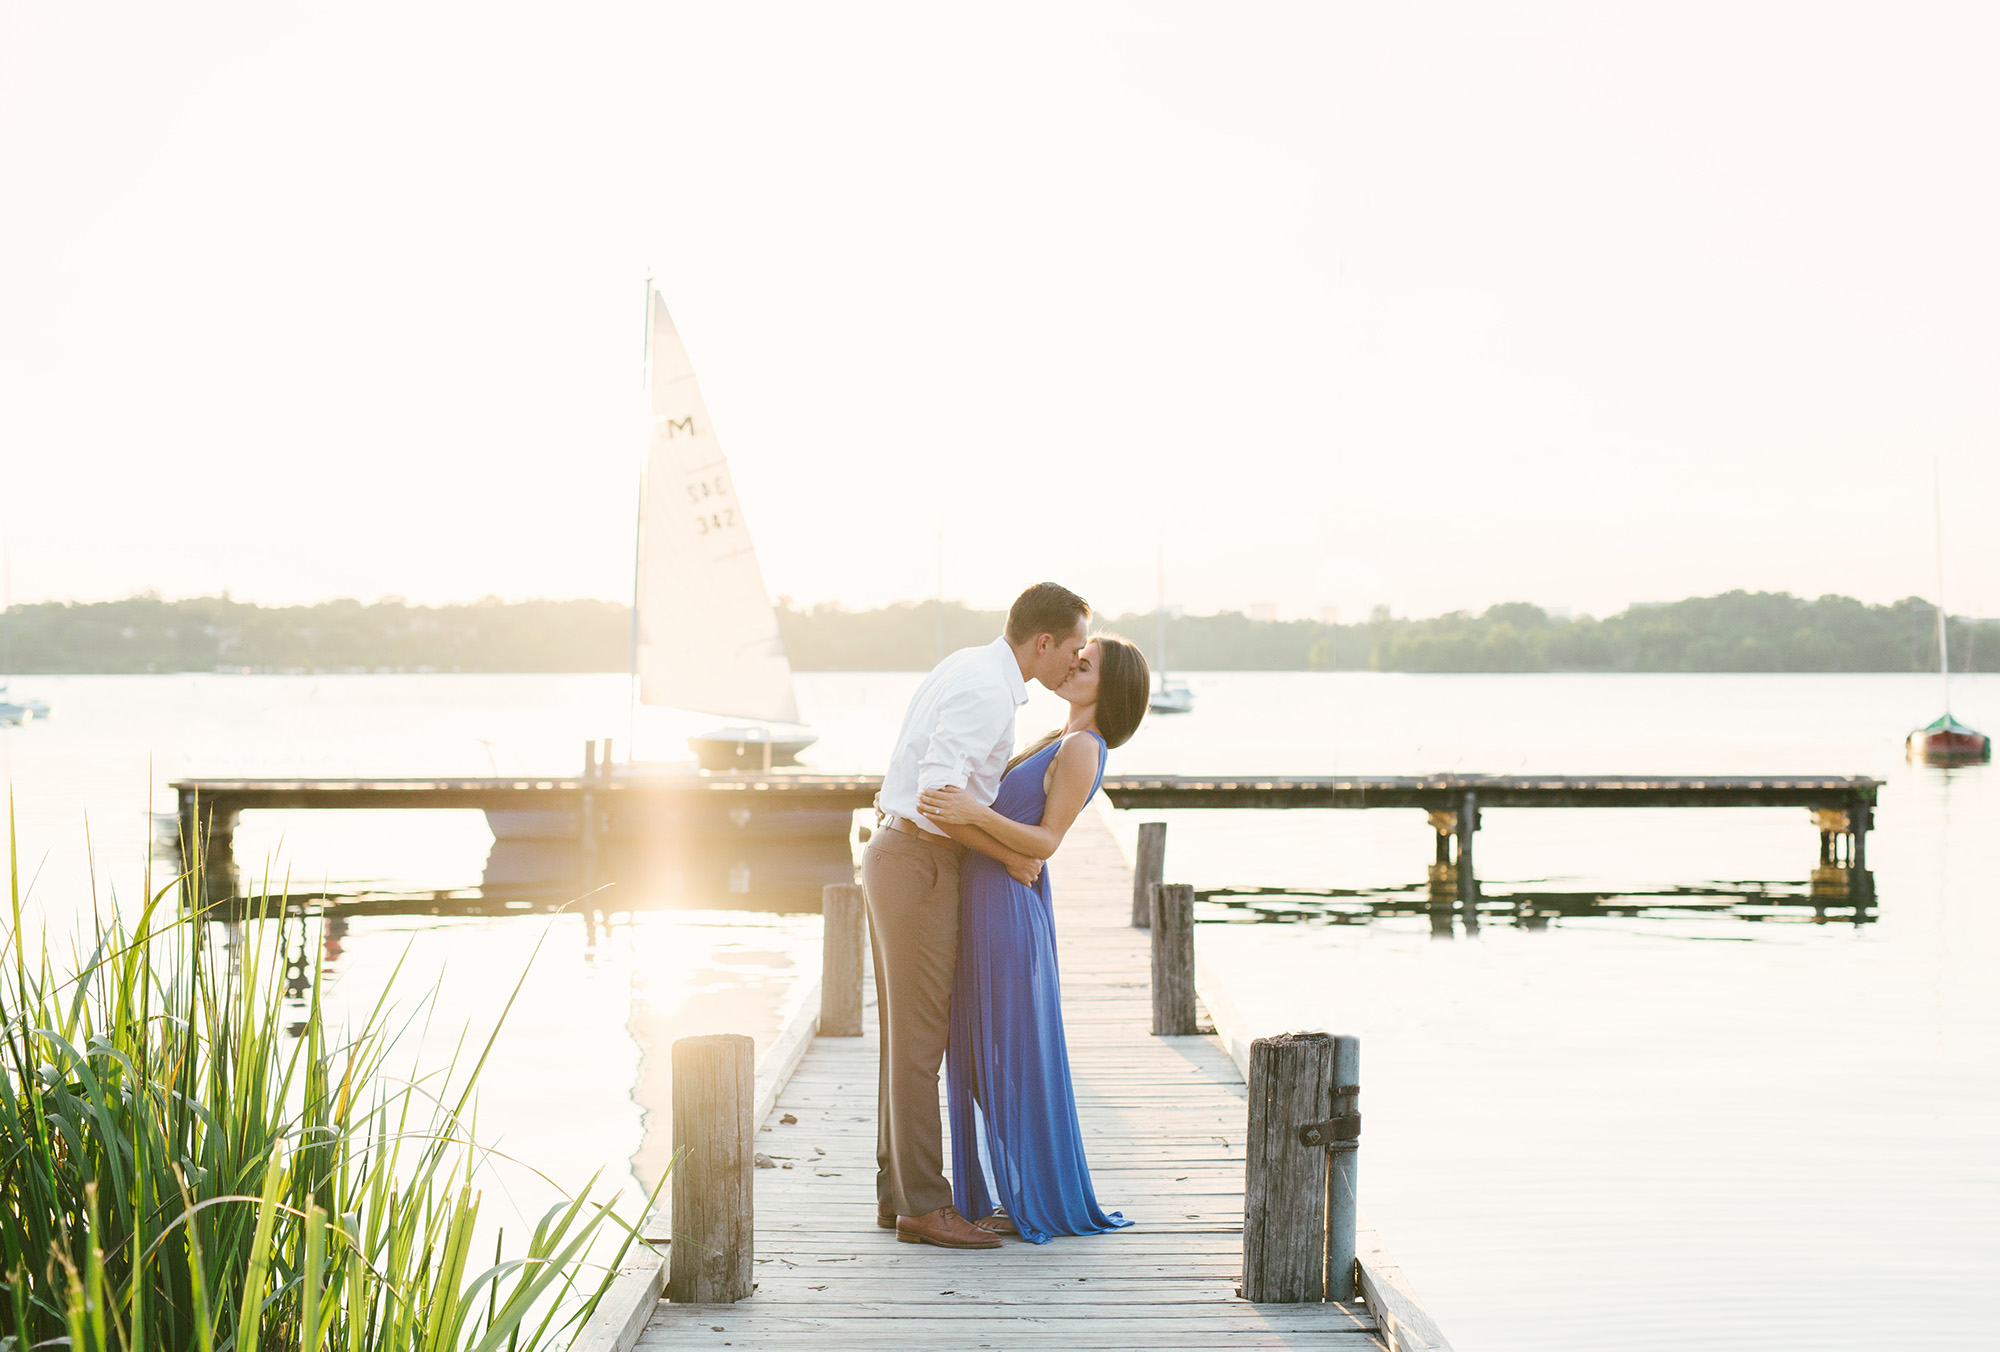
pixel 1171 696
pixel 1946 741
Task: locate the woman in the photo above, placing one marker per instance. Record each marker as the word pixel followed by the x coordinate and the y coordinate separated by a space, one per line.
pixel 1017 1151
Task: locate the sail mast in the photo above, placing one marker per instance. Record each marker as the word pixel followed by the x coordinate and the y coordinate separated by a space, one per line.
pixel 1937 531
pixel 1163 617
pixel 638 536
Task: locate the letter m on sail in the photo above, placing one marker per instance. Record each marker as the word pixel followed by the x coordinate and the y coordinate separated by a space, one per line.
pixel 681 425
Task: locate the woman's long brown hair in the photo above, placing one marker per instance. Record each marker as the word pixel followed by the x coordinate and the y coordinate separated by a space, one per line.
pixel 1124 683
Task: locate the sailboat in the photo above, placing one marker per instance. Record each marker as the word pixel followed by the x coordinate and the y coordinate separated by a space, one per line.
pixel 14 709
pixel 1169 696
pixel 705 636
pixel 1945 741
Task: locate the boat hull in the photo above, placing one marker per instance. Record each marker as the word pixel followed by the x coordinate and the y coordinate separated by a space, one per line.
pixel 1948 747
pixel 743 748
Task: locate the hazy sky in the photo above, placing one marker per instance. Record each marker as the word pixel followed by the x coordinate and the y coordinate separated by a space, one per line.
pixel 1424 305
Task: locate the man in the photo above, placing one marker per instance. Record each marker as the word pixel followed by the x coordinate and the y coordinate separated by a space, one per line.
pixel 959 730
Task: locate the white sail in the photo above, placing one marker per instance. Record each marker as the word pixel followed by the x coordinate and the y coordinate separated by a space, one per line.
pixel 708 637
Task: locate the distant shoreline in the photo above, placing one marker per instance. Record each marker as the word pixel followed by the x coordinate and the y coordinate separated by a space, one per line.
pixel 1734 632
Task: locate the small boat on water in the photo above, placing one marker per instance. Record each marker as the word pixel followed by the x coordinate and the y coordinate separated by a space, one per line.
pixel 21 708
pixel 1948 742
pixel 741 747
pixel 1169 695
pixel 1945 741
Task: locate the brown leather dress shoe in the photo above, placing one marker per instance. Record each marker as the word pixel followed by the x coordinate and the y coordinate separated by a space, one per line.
pixel 946 1229
pixel 885 1215
pixel 999 1223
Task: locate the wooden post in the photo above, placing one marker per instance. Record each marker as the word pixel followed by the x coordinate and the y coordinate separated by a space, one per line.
pixel 1343 1171
pixel 842 954
pixel 1284 1180
pixel 1151 868
pixel 1468 883
pixel 590 759
pixel 1173 959
pixel 714 1092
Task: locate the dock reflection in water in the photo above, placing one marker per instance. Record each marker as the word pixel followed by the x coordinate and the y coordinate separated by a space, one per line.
pixel 1533 905
pixel 527 874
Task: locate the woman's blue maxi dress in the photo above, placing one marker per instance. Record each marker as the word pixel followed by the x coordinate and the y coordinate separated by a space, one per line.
pixel 1015 1142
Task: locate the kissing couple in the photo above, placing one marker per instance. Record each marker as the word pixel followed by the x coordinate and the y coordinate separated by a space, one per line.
pixel 962 925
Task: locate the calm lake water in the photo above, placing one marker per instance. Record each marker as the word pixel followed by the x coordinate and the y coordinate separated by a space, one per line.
pixel 1683 1112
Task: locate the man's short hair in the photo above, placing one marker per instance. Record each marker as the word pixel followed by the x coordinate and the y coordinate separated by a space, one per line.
pixel 1045 608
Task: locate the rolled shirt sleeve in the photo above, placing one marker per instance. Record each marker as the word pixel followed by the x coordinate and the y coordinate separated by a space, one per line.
pixel 971 723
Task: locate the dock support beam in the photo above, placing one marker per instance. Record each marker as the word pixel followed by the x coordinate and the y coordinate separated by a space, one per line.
pixel 587 818
pixel 1343 1164
pixel 842 953
pixel 1842 875
pixel 208 840
pixel 1148 870
pixel 1173 959
pixel 1468 882
pixel 715 1092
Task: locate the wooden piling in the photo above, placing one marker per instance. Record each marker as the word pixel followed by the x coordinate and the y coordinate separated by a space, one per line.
pixel 1148 870
pixel 714 1094
pixel 1343 1170
pixel 587 817
pixel 1468 883
pixel 842 954
pixel 1285 1180
pixel 1173 959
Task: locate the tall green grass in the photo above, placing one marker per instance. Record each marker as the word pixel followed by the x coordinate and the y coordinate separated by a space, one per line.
pixel 180 1170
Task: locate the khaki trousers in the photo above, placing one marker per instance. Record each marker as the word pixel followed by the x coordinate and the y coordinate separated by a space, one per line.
pixel 912 890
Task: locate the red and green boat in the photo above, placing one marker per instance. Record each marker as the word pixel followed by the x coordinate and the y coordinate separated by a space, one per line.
pixel 1948 742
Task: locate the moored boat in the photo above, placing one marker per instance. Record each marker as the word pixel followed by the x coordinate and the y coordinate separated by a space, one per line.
pixel 1948 742
pixel 1169 695
pixel 741 747
pixel 1945 741
pixel 705 635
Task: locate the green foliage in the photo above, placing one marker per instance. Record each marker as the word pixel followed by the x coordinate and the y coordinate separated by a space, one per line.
pixel 178 1170
pixel 145 633
pixel 1738 631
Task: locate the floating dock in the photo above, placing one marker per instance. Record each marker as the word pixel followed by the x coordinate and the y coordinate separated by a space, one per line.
pixel 1164 1121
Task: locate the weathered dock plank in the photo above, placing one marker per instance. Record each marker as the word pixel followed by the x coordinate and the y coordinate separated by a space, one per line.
pixel 1163 1122
pixel 1444 793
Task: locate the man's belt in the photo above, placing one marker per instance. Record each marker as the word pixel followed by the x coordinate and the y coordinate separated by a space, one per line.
pixel 910 828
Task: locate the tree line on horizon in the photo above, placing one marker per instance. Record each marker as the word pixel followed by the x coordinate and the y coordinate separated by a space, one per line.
pixel 1737 631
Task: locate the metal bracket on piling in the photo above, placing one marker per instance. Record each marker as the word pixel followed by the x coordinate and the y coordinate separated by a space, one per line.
pixel 1336 1133
pixel 1342 1131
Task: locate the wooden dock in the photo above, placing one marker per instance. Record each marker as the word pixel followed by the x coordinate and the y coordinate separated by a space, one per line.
pixel 601 809
pixel 1164 1124
pixel 221 799
pixel 1435 793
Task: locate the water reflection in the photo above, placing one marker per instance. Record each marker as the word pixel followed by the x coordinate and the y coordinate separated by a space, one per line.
pixel 1821 900
pixel 526 876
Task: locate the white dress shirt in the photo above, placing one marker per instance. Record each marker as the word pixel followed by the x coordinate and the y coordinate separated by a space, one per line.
pixel 959 731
